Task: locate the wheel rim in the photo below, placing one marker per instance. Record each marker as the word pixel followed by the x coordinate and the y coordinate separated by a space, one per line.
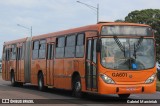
pixel 12 79
pixel 78 86
pixel 40 83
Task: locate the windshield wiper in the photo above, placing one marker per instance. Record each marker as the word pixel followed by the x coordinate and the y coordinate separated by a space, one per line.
pixel 120 45
pixel 139 42
pixel 136 47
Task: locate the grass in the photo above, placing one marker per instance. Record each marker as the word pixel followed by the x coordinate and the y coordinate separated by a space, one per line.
pixel 158 85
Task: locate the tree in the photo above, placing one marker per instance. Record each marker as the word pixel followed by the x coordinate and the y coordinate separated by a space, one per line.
pixel 150 17
pixel 119 20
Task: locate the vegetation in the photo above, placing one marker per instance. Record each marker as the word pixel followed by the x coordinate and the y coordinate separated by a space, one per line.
pixel 158 85
pixel 150 17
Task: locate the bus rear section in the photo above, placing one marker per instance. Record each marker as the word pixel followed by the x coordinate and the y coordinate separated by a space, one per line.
pixel 126 60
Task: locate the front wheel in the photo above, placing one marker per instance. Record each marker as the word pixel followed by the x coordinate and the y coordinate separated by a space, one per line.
pixel 41 82
pixel 123 96
pixel 77 87
pixel 13 82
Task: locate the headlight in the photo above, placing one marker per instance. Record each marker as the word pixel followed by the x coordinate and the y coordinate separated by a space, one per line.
pixel 150 79
pixel 107 79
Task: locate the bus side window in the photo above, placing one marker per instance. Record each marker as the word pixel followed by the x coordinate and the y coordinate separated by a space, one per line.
pixel 13 52
pixel 7 54
pixel 70 46
pixel 89 44
pixel 60 43
pixel 80 45
pixel 42 49
pixel 35 49
pixel 94 51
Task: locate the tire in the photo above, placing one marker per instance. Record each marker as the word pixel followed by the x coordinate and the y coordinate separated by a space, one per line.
pixel 41 82
pixel 13 82
pixel 77 87
pixel 123 96
pixel 19 84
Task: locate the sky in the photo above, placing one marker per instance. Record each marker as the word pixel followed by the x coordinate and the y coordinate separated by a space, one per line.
pixel 47 16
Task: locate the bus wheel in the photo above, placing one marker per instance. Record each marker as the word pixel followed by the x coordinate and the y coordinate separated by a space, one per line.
pixel 77 87
pixel 40 82
pixel 13 82
pixel 123 96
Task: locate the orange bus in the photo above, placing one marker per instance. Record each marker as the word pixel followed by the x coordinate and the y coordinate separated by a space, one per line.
pixel 105 58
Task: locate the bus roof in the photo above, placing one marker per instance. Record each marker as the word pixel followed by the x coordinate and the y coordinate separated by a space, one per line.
pixel 85 28
pixel 15 41
pixel 69 31
pixel 95 27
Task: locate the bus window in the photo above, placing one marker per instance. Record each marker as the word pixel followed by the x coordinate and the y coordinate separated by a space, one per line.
pixel 89 49
pixel 60 43
pixel 35 49
pixel 94 51
pixel 19 53
pixel 42 49
pixel 52 51
pixel 70 46
pixel 13 52
pixel 49 52
pixel 80 45
pixel 7 54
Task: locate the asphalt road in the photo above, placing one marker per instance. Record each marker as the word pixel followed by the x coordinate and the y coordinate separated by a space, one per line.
pixel 62 97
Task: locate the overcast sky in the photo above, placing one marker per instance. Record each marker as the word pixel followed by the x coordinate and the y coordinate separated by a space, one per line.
pixel 53 15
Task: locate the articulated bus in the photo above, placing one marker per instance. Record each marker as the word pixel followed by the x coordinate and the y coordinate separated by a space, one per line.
pixel 105 58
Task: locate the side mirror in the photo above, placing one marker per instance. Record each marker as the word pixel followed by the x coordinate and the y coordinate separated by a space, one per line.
pixel 98 47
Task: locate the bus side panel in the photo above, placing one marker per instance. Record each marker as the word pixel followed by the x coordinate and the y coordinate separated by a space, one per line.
pixel 22 71
pixel 68 70
pixel 41 63
pixel 37 65
pixel 59 73
pixel 12 66
pixel 34 67
pixel 70 66
pixel 81 68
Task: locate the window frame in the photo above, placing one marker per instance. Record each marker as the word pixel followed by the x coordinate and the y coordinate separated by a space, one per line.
pixel 56 47
pixel 70 46
pixel 43 48
pixel 33 49
pixel 77 45
pixel 13 51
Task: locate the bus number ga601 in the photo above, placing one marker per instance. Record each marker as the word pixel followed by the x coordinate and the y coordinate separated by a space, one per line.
pixel 119 74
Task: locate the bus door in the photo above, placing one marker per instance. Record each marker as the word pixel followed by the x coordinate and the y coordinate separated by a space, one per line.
pixel 7 58
pixel 18 63
pixel 50 64
pixel 91 65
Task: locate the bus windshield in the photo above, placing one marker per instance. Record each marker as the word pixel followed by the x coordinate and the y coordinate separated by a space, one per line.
pixel 126 30
pixel 127 53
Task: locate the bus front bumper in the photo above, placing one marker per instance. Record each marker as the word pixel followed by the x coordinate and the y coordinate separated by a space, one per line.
pixel 126 89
